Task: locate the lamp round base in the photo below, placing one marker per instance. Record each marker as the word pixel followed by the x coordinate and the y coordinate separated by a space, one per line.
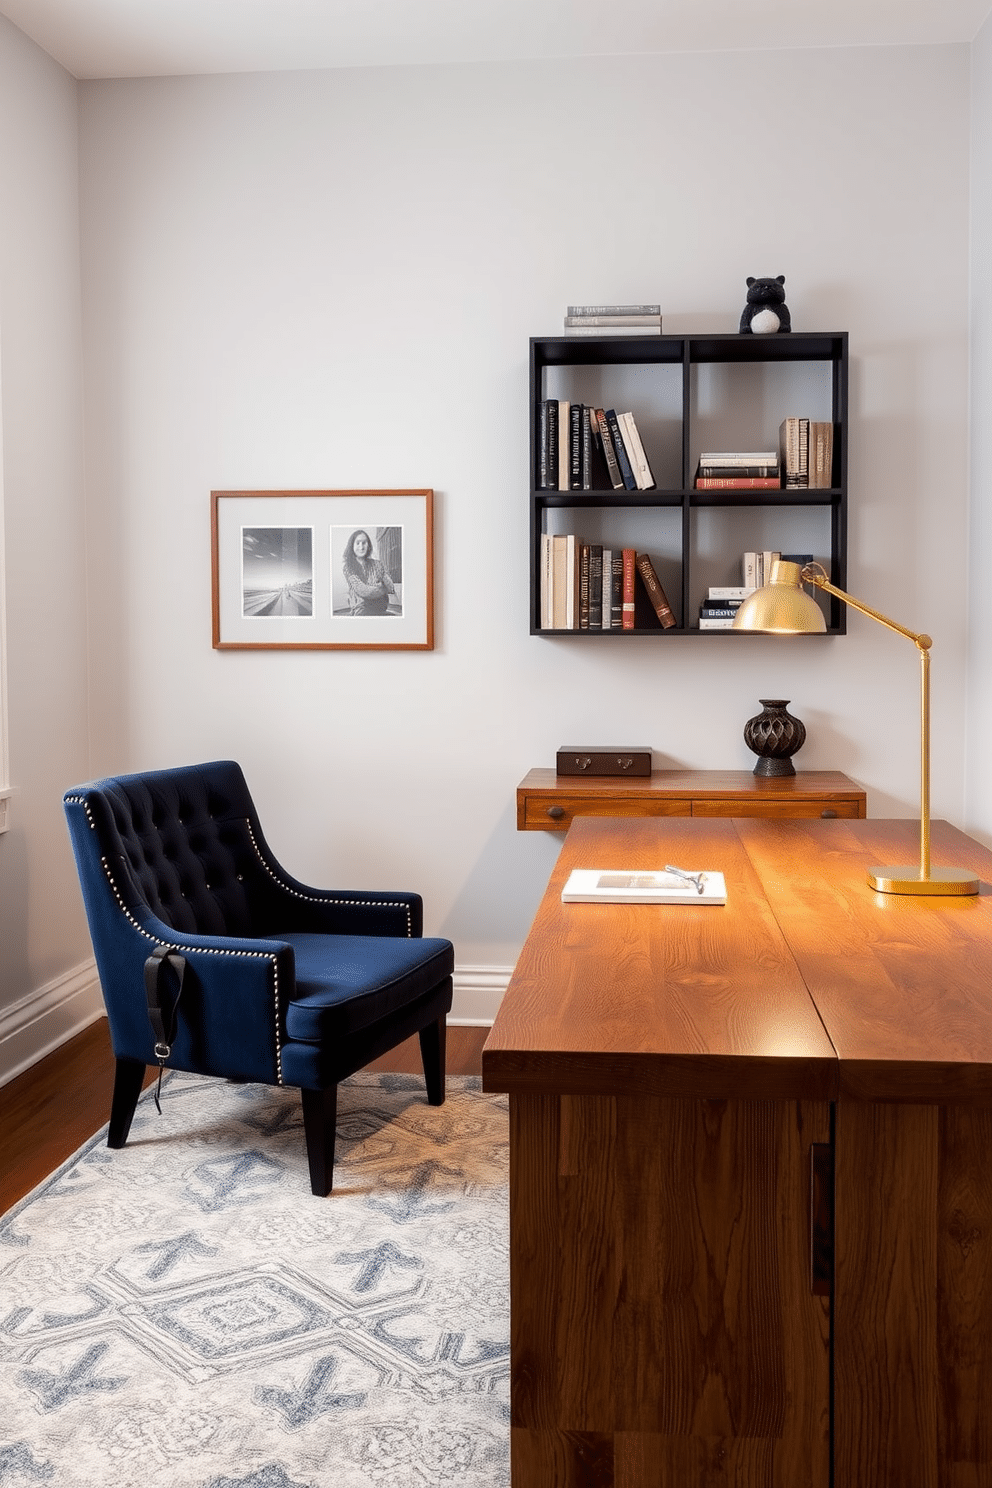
pixel 904 878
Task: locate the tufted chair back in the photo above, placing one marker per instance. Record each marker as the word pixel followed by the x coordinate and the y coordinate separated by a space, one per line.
pixel 179 842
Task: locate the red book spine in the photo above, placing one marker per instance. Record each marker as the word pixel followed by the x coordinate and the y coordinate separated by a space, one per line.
pixel 629 577
pixel 738 483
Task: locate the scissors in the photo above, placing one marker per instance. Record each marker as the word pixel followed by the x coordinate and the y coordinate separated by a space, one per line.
pixel 693 878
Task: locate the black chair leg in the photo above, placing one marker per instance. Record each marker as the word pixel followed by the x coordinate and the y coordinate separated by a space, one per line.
pixel 432 1050
pixel 128 1080
pixel 320 1109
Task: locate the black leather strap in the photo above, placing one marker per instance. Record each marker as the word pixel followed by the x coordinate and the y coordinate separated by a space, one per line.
pixel 163 1011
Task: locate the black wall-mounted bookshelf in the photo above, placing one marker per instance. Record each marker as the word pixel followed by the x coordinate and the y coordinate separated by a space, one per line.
pixel 690 393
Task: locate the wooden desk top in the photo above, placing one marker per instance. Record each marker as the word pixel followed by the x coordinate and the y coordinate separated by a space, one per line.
pixel 738 785
pixel 806 984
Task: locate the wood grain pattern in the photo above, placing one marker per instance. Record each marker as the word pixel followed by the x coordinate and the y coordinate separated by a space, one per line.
pixel 691 1000
pixel 913 1339
pixel 885 1323
pixel 902 983
pixel 719 793
pixel 660 1284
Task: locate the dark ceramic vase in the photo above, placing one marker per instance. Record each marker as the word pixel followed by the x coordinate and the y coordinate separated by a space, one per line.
pixel 774 736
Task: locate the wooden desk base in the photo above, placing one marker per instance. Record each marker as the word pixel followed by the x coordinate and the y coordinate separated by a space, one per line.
pixel 663 1330
pixel 670 1073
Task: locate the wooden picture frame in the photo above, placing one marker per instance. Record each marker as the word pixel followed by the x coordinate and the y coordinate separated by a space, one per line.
pixel 323 570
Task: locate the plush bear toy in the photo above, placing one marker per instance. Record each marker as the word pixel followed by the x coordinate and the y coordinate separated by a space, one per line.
pixel 766 311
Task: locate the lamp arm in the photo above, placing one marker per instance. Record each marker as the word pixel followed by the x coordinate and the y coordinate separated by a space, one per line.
pixel 815 573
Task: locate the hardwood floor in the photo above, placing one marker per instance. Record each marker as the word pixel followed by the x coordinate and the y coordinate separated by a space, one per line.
pixel 53 1107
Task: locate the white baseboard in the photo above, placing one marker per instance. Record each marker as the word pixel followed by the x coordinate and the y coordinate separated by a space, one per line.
pixel 478 992
pixel 48 1017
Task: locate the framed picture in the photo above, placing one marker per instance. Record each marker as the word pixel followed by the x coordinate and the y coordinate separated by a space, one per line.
pixel 323 570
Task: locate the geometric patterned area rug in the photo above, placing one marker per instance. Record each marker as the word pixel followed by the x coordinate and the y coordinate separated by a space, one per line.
pixel 184 1313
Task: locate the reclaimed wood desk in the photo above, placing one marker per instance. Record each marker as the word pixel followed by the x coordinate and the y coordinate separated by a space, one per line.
pixel 751 1183
pixel 548 802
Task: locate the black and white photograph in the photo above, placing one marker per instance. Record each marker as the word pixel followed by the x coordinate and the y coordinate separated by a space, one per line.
pixel 323 570
pixel 277 571
pixel 367 571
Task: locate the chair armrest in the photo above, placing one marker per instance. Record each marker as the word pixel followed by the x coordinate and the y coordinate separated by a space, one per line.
pixel 352 911
pixel 231 1016
pixel 285 905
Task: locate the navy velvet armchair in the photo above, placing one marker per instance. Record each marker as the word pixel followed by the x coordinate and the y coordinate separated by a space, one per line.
pixel 206 948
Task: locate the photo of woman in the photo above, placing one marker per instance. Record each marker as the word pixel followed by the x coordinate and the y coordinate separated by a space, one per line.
pixel 370 584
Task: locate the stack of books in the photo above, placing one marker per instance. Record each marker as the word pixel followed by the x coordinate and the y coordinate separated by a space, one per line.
pixel 572 437
pixel 586 586
pixel 718 609
pixel 807 453
pixel 613 320
pixel 738 470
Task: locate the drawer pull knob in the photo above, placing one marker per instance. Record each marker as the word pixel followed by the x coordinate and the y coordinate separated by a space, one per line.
pixel 828 811
pixel 556 812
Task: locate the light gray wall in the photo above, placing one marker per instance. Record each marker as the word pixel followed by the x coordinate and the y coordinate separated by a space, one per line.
pixel 42 933
pixel 978 818
pixel 328 280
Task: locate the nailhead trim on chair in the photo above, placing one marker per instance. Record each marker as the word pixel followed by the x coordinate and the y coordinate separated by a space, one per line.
pixel 329 898
pixel 193 950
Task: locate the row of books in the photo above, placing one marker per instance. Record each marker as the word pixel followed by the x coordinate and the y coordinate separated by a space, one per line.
pixel 572 435
pixel 613 320
pixel 586 586
pixel 807 454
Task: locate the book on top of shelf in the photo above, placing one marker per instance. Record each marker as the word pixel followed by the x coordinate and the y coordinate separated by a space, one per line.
pixel 707 624
pixel 613 310
pixel 606 589
pixel 729 591
pixel 614 330
pixel 656 594
pixel 613 320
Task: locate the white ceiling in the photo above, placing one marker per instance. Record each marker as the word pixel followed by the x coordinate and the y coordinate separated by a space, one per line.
pixel 149 38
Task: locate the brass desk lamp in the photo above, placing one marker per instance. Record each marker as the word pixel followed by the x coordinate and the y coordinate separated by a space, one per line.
pixel 782 607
